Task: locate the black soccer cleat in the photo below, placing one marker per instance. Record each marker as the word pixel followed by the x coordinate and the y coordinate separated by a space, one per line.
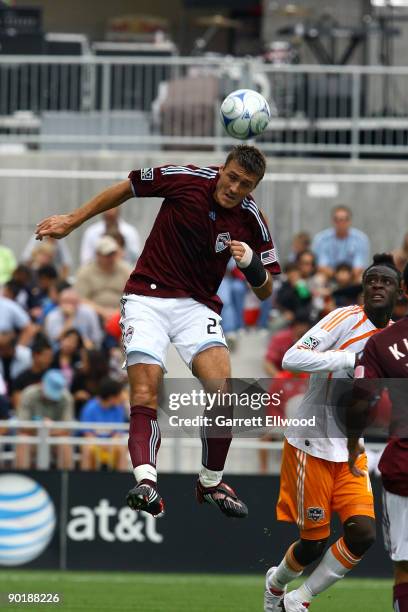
pixel 224 497
pixel 144 497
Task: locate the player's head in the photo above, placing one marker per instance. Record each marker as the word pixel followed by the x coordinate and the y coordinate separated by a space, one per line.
pixel 341 218
pixel 240 174
pixel 251 159
pixel 381 283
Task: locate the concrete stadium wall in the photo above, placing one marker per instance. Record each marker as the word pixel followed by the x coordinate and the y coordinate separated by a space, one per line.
pixel 379 202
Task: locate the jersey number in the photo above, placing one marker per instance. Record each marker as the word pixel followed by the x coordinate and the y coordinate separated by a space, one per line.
pixel 211 326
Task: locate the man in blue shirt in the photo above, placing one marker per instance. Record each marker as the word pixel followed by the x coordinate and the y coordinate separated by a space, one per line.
pixel 107 407
pixel 341 244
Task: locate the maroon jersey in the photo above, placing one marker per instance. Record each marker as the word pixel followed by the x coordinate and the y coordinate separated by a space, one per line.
pixel 186 253
pixel 386 356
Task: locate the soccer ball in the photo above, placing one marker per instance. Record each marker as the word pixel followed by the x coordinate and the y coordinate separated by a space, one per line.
pixel 245 113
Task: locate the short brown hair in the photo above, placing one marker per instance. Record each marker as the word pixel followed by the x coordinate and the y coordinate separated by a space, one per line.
pixel 250 158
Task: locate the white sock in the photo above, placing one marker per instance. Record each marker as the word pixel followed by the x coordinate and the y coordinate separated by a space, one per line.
pixel 145 472
pixel 209 478
pixel 284 573
pixel 330 569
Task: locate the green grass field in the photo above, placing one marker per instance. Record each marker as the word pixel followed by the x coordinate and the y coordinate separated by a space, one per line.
pixel 86 591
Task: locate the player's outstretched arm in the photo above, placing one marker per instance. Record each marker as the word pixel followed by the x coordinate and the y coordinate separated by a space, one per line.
pixel 59 226
pixel 315 352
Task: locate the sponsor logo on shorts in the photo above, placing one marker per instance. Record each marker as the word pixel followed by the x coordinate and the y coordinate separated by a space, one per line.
pixel 146 174
pixel 222 242
pixel 310 343
pixel 129 334
pixel 315 514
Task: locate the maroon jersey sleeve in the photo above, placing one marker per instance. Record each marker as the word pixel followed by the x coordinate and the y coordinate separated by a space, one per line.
pixel 160 182
pixel 369 364
pixel 261 241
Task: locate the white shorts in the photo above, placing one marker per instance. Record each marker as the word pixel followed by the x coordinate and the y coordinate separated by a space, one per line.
pixel 149 324
pixel 395 525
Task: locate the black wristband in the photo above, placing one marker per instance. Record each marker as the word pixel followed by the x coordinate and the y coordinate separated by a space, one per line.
pixel 255 273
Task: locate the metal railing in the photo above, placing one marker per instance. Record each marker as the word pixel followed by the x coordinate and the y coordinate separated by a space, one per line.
pixel 173 102
pixel 43 439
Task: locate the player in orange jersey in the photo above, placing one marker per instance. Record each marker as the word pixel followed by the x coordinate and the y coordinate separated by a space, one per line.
pixel 315 478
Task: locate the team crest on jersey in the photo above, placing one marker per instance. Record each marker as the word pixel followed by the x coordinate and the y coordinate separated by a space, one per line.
pixel 315 514
pixel 222 242
pixel 129 334
pixel 212 215
pixel 310 343
pixel 146 174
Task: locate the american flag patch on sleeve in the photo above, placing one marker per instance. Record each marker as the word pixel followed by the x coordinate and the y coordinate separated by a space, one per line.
pixel 268 257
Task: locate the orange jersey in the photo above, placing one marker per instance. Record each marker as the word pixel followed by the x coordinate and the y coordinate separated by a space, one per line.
pixel 328 351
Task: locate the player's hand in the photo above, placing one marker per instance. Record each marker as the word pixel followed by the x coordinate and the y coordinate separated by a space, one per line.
pixel 238 250
pixel 57 226
pixel 355 449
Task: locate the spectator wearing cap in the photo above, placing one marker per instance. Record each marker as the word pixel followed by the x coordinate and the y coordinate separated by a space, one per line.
pixel 107 407
pixel 46 401
pixel 100 282
pixel 111 224
pixel 72 314
pixel 341 243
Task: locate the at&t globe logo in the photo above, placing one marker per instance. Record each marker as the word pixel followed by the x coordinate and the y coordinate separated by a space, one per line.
pixel 27 519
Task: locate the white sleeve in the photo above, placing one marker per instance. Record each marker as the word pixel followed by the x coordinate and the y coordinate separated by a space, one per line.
pixel 314 351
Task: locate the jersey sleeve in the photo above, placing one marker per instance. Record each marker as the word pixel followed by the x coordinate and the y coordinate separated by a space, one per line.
pixel 160 182
pixel 314 352
pixel 369 364
pixel 368 375
pixel 262 242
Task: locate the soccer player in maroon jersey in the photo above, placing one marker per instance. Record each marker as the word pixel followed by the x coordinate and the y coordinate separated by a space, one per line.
pixel 385 356
pixel 207 216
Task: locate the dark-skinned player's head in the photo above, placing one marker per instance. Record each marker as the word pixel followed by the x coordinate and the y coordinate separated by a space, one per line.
pixel 249 158
pixel 381 283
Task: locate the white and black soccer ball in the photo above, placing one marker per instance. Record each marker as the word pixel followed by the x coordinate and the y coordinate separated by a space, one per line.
pixel 245 113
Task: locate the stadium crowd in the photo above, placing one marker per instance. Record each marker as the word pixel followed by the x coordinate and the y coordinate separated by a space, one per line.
pixel 60 337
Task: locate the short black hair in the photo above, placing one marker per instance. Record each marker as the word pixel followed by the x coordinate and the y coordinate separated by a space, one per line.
pixel 48 271
pixel 40 343
pixel 344 266
pixel 250 158
pixel 383 259
pixel 13 287
pixel 109 387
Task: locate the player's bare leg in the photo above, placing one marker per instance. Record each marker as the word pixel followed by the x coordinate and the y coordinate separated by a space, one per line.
pixel 212 367
pixel 144 436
